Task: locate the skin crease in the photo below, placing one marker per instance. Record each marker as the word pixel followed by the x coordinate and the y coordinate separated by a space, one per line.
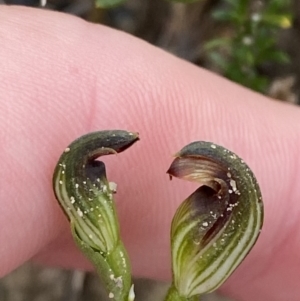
pixel 61 77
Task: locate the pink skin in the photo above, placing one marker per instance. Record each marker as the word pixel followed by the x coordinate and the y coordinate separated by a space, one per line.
pixel 61 77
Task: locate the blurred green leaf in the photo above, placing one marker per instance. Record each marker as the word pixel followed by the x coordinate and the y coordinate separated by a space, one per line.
pixel 218 59
pixel 107 3
pixel 278 20
pixel 184 1
pixel 222 15
pixel 217 43
pixel 279 57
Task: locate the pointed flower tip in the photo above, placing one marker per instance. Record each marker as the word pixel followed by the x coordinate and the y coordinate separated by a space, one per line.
pixel 119 140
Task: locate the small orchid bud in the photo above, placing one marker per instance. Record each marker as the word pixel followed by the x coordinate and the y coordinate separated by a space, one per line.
pixel 217 225
pixel 86 197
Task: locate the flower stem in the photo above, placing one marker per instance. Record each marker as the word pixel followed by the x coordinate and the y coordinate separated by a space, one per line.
pixel 173 295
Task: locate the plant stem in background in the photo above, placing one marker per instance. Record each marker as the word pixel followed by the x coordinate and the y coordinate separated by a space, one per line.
pixel 216 226
pixel 86 197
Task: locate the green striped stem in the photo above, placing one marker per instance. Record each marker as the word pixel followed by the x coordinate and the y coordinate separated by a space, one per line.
pixel 173 295
pixel 86 197
pixel 216 226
